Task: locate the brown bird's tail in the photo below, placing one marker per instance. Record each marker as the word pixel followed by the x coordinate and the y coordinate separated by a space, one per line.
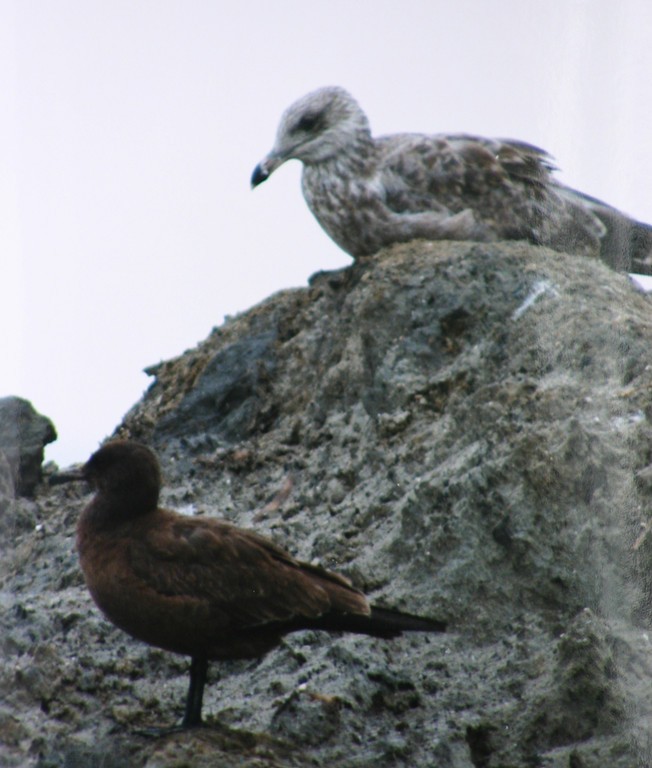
pixel 391 623
pixel 382 622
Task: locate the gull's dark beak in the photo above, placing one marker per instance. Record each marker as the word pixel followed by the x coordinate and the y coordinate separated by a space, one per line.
pixel 267 166
pixel 259 175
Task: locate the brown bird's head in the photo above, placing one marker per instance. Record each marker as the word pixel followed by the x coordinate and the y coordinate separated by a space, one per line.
pixel 127 474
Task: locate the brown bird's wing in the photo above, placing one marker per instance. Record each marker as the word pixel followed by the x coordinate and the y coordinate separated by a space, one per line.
pixel 241 578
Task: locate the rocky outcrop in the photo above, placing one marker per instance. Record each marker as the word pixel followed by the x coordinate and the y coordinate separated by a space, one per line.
pixel 466 430
pixel 24 433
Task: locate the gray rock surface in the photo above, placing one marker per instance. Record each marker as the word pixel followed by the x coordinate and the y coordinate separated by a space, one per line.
pixel 24 433
pixel 467 433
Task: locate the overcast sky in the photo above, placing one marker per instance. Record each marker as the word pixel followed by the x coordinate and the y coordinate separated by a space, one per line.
pixel 127 226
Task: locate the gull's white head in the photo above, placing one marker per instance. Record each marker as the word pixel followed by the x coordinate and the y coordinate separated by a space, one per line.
pixel 314 129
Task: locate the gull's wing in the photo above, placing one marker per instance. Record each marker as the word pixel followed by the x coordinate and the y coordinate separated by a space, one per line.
pixel 508 185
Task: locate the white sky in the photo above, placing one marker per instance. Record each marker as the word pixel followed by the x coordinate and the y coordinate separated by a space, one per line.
pixel 127 226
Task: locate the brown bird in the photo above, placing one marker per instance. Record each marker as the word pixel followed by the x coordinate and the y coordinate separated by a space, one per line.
pixel 201 586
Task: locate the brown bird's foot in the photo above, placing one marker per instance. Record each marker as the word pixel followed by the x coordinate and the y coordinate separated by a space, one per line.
pixel 192 716
pixel 198 671
pixel 159 733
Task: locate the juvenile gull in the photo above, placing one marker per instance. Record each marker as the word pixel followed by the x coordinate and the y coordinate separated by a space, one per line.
pixel 200 586
pixel 369 192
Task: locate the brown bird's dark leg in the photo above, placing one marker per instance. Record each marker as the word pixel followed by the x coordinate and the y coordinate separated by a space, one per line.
pixel 198 670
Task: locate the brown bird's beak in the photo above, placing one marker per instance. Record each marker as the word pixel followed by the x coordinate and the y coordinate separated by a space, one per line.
pixel 73 475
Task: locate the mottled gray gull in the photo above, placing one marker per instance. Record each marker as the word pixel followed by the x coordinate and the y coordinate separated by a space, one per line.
pixel 369 192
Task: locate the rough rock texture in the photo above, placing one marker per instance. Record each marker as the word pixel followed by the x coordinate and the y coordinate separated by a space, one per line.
pixel 24 433
pixel 467 432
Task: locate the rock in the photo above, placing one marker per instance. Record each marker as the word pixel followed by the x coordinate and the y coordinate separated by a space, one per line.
pixel 466 433
pixel 227 398
pixel 24 433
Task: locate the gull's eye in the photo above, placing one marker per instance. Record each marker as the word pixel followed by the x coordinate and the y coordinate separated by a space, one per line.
pixel 308 122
